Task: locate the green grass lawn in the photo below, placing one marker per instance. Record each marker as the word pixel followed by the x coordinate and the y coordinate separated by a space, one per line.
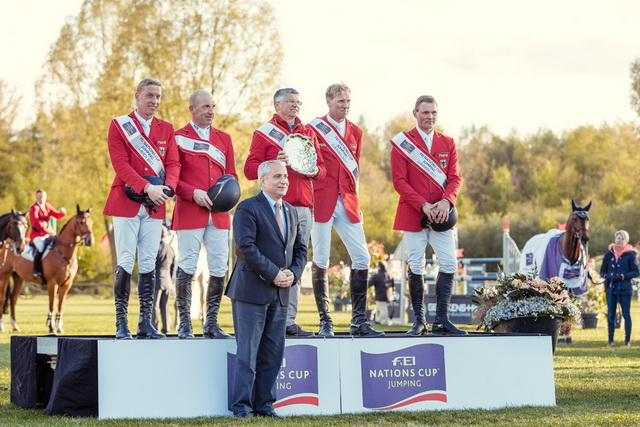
pixel 595 384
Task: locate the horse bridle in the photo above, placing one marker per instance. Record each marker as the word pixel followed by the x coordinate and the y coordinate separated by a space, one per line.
pixel 80 240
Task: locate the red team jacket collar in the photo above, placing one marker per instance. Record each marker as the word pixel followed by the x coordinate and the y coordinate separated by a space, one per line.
pixel 283 123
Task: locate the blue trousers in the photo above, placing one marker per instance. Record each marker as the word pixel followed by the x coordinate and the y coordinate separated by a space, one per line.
pixel 625 303
pixel 260 335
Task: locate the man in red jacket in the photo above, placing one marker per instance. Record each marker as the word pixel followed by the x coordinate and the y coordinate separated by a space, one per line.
pixel 336 206
pixel 206 154
pixel 140 145
pixel 266 145
pixel 424 169
pixel 40 214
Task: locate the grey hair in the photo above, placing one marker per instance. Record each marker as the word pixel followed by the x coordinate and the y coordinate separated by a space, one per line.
pixel 425 98
pixel 148 82
pixel 195 95
pixel 335 89
pixel 280 93
pixel 623 232
pixel 265 167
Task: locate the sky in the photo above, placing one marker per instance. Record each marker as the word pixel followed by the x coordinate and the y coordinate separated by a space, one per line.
pixel 509 65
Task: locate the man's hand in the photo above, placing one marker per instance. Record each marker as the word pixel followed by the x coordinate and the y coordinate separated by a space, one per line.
pixel 156 194
pixel 426 208
pixel 202 198
pixel 282 156
pixel 284 279
pixel 63 210
pixel 439 212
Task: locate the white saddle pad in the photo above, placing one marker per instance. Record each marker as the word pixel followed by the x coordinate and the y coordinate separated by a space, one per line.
pixel 29 253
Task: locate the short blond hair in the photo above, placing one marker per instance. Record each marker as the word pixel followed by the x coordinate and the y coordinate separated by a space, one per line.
pixel 148 82
pixel 425 98
pixel 336 89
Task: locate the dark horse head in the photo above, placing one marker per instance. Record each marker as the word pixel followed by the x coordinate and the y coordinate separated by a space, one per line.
pixel 578 222
pixel 13 229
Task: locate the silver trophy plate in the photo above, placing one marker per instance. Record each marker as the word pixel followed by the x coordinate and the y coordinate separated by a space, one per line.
pixel 301 152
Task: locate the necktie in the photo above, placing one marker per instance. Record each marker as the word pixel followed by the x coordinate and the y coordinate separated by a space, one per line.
pixel 279 218
pixel 145 126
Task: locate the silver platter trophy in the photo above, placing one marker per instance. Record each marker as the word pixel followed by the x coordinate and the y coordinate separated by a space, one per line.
pixel 301 152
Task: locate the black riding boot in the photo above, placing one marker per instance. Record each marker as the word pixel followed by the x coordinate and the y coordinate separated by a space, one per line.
pixel 37 265
pixel 441 324
pixel 146 284
pixel 121 290
pixel 359 325
pixel 183 303
pixel 416 292
pixel 211 328
pixel 321 292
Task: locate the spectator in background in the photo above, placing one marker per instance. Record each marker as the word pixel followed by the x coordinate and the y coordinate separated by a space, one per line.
pixel 165 266
pixel 619 266
pixel 383 285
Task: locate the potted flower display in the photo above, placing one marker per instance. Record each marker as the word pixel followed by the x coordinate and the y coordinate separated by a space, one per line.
pixel 340 291
pixel 526 304
pixel 592 304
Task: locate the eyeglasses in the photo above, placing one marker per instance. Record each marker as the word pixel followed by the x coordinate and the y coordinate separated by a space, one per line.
pixel 292 102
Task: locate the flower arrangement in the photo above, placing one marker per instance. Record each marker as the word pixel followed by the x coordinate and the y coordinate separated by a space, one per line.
pixel 594 300
pixel 518 295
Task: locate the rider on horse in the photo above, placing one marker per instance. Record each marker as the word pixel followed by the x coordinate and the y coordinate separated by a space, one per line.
pixel 40 214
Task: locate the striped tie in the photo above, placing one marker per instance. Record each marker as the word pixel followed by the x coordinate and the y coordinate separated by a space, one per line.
pixel 279 218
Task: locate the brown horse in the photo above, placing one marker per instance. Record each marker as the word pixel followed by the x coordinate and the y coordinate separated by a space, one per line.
pixel 13 229
pixel 59 267
pixel 576 235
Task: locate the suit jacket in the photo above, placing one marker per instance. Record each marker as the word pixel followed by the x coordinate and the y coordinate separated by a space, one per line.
pixel 300 191
pixel 39 218
pixel 337 181
pixel 415 188
pixel 200 172
pixel 263 252
pixel 130 169
pixel 165 266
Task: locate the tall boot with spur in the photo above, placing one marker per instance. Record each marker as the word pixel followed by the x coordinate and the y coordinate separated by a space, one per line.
pixel 211 328
pixel 359 325
pixel 183 303
pixel 441 324
pixel 146 283
pixel 321 293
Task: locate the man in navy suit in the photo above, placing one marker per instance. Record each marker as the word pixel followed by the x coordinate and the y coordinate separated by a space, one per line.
pixel 271 257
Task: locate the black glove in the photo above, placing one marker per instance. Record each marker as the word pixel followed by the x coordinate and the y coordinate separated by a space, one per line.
pixel 616 278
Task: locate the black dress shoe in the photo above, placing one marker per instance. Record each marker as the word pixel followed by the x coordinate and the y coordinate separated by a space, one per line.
pixel 242 415
pixel 296 331
pixel 271 414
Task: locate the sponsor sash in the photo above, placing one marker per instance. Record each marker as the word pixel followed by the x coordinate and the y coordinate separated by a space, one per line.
pixel 274 134
pixel 337 146
pixel 141 145
pixel 421 160
pixel 202 148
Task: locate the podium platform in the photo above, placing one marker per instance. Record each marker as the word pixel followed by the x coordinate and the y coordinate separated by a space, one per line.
pixel 108 378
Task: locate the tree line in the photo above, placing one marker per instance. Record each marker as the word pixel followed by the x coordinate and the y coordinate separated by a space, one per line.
pixel 232 48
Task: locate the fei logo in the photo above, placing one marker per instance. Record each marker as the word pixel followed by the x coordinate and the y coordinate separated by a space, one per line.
pixel 297 381
pixel 404 377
